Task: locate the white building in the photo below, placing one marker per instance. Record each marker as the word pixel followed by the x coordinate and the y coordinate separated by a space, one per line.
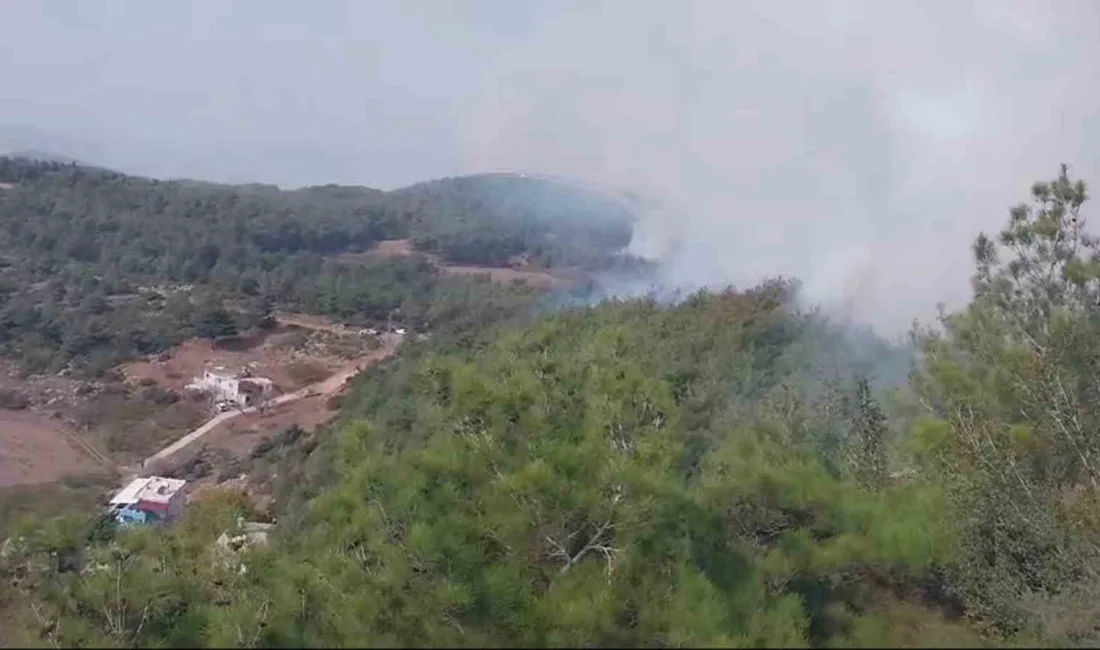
pixel 149 499
pixel 232 389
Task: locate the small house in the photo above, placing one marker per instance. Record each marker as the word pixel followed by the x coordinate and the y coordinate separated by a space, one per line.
pixel 149 500
pixel 240 390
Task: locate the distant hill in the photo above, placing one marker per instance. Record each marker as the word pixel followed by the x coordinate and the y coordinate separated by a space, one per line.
pixel 45 156
pixel 90 233
pixel 479 219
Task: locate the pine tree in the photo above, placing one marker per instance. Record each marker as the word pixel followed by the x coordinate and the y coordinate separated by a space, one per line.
pixel 869 429
pixel 213 321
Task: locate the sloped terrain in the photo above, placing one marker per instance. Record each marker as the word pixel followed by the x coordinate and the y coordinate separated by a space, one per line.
pixel 35 449
pixel 723 470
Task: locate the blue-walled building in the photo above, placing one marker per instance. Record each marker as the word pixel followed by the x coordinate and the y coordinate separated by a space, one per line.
pixel 149 500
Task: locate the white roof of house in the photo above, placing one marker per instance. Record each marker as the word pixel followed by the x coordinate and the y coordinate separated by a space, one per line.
pixel 150 488
pixel 128 494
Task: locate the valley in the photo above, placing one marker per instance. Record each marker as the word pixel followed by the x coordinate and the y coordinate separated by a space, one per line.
pixel 97 360
pixel 341 417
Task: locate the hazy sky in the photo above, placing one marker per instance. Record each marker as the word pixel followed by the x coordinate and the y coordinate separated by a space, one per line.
pixel 858 145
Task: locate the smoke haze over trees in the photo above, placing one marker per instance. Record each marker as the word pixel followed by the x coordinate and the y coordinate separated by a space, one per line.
pixel 635 473
pixel 815 141
pixel 627 461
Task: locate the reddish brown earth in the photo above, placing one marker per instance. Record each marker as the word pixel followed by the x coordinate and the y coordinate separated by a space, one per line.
pixel 239 431
pixel 239 435
pixel 36 449
pixel 269 358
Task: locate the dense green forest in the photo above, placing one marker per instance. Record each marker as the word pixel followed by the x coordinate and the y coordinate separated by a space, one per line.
pixel 727 470
pixel 82 247
pixel 490 218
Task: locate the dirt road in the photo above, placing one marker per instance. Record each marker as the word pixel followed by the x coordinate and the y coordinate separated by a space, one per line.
pixel 326 388
pixel 312 323
pixel 85 446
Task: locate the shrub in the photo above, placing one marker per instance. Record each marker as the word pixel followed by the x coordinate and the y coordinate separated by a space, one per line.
pixel 306 372
pixel 13 400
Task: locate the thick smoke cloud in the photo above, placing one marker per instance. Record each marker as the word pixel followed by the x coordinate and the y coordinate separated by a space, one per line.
pixel 857 145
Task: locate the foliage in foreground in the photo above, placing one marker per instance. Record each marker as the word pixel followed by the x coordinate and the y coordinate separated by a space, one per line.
pixel 704 474
pixel 1011 408
pixel 626 475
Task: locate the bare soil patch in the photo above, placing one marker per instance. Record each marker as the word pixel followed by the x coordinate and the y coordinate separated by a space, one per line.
pixel 150 408
pixel 189 360
pixel 240 435
pixel 187 448
pixel 103 416
pixel 46 393
pixel 275 356
pixel 129 425
pixel 536 278
pixel 7 187
pixel 124 419
pixel 392 248
pixel 305 372
pixel 35 449
pixel 293 321
pixel 519 271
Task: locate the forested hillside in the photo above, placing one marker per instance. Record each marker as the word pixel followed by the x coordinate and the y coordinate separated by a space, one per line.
pixel 81 248
pixel 729 470
pixel 490 218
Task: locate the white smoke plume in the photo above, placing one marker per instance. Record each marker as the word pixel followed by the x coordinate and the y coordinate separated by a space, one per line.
pixel 857 145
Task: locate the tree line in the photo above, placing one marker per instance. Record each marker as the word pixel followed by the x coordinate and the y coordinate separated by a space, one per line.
pixel 722 471
pixel 90 258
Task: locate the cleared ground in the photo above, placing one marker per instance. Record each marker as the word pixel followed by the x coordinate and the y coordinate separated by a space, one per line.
pixel 539 279
pixel 35 449
pixel 239 431
pixel 272 356
pixel 240 435
pixel 73 428
pixel 393 248
pixel 390 249
pixel 400 248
